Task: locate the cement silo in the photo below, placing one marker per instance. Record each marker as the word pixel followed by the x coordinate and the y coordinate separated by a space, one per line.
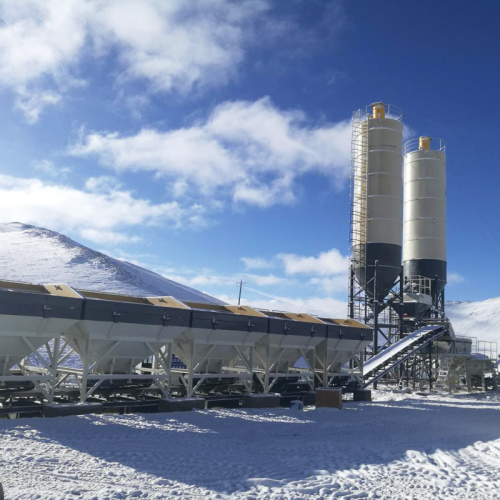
pixel 424 229
pixel 376 198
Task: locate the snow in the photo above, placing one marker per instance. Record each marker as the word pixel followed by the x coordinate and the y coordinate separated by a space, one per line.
pixel 401 446
pixel 37 255
pixel 476 319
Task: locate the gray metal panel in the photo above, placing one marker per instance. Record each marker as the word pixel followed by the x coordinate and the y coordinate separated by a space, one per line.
pixel 39 305
pixel 349 333
pixel 141 314
pixel 226 321
pixel 299 328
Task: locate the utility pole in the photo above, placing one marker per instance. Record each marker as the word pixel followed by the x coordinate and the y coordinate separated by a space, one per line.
pixel 240 284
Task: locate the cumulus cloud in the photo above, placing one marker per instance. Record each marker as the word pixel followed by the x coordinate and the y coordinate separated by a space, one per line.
pixel 455 278
pixel 177 45
pixel 256 263
pixel 48 167
pixel 103 217
pixel 39 43
pixel 251 151
pixel 172 46
pixel 325 264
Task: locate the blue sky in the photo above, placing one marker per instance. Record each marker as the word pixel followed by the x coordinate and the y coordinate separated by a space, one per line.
pixel 209 140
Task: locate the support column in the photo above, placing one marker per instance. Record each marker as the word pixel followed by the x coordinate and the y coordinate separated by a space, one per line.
pixel 351 293
pixel 267 367
pixel 375 313
pixel 430 366
pixel 53 371
pixel 85 371
pixel 192 351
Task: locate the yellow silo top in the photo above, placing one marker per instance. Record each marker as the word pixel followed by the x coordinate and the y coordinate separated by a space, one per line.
pixel 424 143
pixel 379 110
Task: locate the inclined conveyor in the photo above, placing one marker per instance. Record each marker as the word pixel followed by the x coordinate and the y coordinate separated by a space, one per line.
pixel 388 359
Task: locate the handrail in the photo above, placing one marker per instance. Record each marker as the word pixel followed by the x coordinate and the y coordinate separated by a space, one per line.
pixel 437 144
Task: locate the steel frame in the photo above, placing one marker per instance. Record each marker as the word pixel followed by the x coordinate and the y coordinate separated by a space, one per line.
pixel 270 363
pixel 43 377
pixel 160 373
pixel 240 366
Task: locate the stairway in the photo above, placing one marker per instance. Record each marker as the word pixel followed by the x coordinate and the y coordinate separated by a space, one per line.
pixel 388 359
pixel 444 370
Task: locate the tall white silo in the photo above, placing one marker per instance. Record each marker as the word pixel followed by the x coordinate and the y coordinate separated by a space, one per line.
pixel 376 219
pixel 424 229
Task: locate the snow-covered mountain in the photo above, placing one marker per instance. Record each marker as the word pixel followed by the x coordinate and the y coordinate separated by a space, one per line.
pixel 476 319
pixel 37 255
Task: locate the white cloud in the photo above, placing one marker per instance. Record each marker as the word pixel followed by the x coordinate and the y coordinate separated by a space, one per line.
pixel 96 215
pixel 48 167
pixel 326 264
pixel 256 263
pixel 207 277
pixel 455 278
pixel 177 44
pixel 104 183
pixel 330 285
pixel 107 237
pixel 32 102
pixel 174 45
pixel 323 307
pixel 39 44
pixel 251 151
pixel 268 280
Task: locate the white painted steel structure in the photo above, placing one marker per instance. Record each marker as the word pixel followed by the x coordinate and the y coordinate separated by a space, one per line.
pixel 26 327
pixel 219 344
pixel 337 350
pixel 117 333
pixel 278 352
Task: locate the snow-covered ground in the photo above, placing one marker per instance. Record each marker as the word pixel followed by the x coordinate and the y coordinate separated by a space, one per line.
pixel 398 447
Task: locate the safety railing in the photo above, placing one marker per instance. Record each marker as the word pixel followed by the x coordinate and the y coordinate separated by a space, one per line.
pixel 436 144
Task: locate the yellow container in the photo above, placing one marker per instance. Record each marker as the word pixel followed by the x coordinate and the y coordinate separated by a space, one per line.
pixel 379 110
pixel 424 143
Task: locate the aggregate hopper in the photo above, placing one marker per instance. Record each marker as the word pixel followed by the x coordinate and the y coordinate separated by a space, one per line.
pixel 32 316
pixel 290 337
pixel 346 340
pixel 219 344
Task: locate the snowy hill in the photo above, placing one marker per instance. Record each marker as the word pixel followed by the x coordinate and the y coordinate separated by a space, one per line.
pixel 476 319
pixel 37 255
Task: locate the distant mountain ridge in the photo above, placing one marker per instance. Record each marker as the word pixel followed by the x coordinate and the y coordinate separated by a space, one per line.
pixel 38 255
pixel 476 319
